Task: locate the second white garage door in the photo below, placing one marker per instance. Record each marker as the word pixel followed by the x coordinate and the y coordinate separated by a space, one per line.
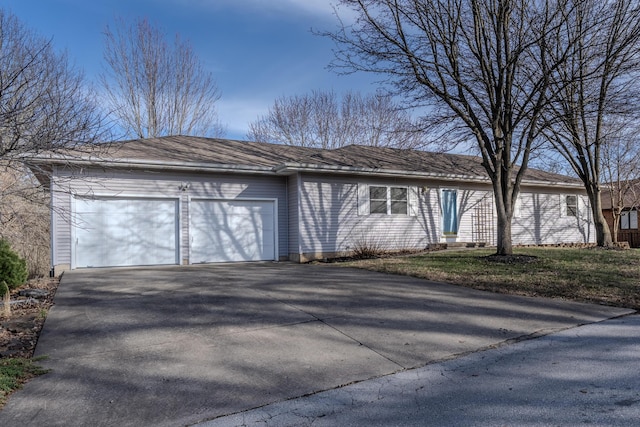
pixel 232 230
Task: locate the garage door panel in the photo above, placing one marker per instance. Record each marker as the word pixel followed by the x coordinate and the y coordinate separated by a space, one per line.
pixel 238 230
pixel 123 232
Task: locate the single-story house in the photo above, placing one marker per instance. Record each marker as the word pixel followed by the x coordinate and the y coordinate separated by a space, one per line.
pixel 628 230
pixel 187 200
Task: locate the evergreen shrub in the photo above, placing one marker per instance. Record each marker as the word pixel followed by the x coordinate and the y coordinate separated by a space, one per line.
pixel 13 269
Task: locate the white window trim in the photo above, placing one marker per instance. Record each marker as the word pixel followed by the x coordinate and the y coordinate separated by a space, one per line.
pixel 517 207
pixel 564 206
pixel 364 207
pixel 631 220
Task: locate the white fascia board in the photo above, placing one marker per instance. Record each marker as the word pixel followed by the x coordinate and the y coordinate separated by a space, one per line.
pixel 283 169
pixel 107 163
pixel 289 168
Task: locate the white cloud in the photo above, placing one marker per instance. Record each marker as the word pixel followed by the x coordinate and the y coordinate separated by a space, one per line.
pixel 323 9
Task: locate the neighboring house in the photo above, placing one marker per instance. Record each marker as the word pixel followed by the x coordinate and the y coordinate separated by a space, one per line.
pixel 187 200
pixel 629 195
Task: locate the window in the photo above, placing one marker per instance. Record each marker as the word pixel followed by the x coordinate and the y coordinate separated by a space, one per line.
pixel 629 220
pixel 571 203
pixel 398 200
pixel 378 200
pixel 388 200
pixel 517 207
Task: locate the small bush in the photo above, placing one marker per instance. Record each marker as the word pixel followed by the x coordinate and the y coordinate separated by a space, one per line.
pixel 13 269
pixel 367 247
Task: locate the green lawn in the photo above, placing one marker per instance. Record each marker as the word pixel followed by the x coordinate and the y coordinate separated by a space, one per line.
pixel 610 277
pixel 14 372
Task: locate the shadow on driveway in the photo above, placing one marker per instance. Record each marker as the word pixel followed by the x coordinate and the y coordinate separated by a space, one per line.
pixel 178 345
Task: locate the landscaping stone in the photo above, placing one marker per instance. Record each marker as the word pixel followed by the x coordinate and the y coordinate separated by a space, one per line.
pixel 34 293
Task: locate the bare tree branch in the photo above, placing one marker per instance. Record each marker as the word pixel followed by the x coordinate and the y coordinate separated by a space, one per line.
pixel 596 89
pixel 477 65
pixel 44 104
pixel 154 88
pixel 45 107
pixel 322 120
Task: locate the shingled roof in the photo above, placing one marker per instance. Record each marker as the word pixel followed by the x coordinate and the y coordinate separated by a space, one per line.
pixel 212 153
pixel 190 149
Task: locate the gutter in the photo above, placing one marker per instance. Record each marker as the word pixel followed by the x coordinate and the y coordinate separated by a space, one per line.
pixel 106 163
pixel 280 170
pixel 290 168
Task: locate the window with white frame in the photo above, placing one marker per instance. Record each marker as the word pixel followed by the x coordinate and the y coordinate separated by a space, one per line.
pixel 629 220
pixel 388 200
pixel 517 207
pixel 571 205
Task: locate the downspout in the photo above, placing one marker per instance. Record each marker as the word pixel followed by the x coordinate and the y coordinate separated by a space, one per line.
pixel 298 220
pixel 52 271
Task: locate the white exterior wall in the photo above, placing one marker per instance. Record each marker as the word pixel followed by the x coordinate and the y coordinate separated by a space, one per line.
pixel 318 214
pixel 541 219
pixel 473 201
pixel 155 184
pixel 330 224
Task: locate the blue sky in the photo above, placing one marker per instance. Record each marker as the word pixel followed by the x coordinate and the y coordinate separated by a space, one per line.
pixel 257 50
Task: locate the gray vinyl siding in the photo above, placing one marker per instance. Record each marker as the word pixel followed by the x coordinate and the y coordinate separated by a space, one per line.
pixel 329 220
pixel 319 214
pixel 539 221
pixel 542 219
pixel 476 212
pixel 163 185
pixel 60 225
pixel 293 206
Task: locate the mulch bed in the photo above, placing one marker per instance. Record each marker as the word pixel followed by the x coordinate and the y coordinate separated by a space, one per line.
pixel 20 330
pixel 511 259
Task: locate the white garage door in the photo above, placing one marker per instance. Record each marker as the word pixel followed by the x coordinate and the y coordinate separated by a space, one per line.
pixel 111 232
pixel 232 230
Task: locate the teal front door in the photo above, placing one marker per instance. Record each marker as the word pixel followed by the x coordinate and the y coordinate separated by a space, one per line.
pixel 449 212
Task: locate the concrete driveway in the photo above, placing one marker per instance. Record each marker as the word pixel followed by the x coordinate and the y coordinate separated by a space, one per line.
pixel 180 345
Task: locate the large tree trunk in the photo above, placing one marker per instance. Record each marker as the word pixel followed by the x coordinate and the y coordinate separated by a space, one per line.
pixel 503 239
pixel 503 195
pixel 603 234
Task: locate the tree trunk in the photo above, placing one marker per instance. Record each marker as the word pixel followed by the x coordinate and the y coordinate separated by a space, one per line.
pixel 616 225
pixel 503 238
pixel 504 211
pixel 603 234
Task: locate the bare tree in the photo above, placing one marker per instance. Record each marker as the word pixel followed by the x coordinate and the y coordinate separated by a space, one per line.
pixel 24 218
pixel 320 119
pixel 154 88
pixel 44 103
pixel 45 106
pixel 480 66
pixel 621 173
pixel 597 87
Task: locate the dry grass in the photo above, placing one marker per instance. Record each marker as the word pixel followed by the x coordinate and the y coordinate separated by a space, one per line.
pixel 607 277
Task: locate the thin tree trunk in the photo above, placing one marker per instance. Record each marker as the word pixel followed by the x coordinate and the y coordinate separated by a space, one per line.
pixel 616 227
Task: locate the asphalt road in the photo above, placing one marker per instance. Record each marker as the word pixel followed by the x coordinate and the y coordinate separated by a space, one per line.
pixel 583 376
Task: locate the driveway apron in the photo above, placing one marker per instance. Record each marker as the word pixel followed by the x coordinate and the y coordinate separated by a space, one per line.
pixel 180 345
